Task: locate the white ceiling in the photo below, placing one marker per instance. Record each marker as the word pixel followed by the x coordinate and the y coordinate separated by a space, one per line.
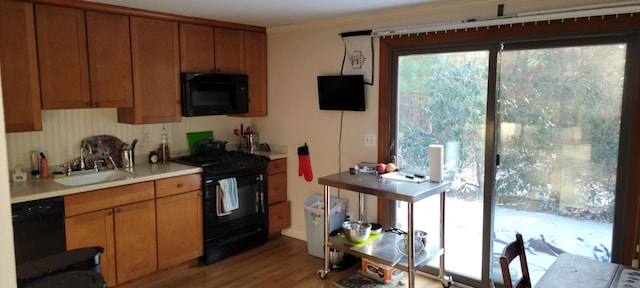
pixel 266 13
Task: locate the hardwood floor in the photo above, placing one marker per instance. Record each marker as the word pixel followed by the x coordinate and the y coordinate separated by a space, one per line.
pixel 283 262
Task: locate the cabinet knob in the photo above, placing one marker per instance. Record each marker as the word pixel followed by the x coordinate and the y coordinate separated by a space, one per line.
pixel 96 104
pixel 180 185
pixel 109 213
pixel 118 210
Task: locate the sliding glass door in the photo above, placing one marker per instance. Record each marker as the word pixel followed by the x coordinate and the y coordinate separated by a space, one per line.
pixel 442 99
pixel 531 134
pixel 560 114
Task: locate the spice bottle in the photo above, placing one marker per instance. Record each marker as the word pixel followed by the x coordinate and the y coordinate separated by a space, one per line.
pixel 163 149
pixel 44 166
pixel 153 157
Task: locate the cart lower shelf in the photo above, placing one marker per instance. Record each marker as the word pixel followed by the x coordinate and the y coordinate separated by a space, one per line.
pixel 384 249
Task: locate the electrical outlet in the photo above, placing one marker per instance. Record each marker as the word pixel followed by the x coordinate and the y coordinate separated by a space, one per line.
pixel 146 139
pixel 370 140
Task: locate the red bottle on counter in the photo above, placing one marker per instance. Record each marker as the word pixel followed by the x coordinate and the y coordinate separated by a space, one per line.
pixel 44 166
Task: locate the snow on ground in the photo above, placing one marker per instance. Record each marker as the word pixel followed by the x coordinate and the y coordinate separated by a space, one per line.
pixel 544 235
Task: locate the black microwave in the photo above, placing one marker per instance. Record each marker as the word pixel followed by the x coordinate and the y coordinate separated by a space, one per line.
pixel 214 94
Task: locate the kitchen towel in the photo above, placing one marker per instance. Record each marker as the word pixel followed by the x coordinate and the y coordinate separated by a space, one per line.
pixel 227 190
pixel 304 163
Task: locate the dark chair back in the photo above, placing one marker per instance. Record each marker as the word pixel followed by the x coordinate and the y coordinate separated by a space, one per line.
pixel 513 250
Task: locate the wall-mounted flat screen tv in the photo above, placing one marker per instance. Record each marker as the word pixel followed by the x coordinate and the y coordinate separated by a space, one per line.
pixel 344 92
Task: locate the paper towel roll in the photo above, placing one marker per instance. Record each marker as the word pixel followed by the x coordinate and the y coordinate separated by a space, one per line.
pixel 436 162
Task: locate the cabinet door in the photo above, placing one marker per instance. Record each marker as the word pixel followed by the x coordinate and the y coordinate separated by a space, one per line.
pixel 179 219
pixel 135 238
pixel 196 48
pixel 277 188
pixel 279 217
pixel 156 69
pixel 62 55
pixel 229 51
pixel 277 166
pixel 255 63
pixel 94 229
pixel 20 80
pixel 109 48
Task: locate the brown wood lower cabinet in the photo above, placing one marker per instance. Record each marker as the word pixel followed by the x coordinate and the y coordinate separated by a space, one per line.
pixel 279 207
pixel 179 228
pixel 122 220
pixel 279 217
pixel 95 229
pixel 135 239
pixel 179 219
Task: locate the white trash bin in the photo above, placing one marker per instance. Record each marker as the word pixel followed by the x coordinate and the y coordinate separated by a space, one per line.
pixel 314 219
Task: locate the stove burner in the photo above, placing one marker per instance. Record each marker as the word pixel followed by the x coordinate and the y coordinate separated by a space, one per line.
pixel 228 162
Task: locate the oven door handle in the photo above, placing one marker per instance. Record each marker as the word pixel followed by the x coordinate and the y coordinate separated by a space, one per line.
pixel 260 201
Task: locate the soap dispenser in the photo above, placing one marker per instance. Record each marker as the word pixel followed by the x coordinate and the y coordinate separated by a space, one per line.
pixel 163 150
pixel 44 166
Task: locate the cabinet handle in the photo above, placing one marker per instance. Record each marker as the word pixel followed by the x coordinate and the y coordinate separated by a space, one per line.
pixel 180 185
pixel 96 104
pixel 118 210
pixel 109 213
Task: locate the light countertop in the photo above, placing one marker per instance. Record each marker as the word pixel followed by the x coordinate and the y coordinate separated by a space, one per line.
pixel 273 155
pixel 36 189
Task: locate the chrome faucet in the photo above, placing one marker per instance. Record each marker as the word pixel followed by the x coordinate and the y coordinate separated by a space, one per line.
pixel 68 168
pixel 82 165
pixel 115 167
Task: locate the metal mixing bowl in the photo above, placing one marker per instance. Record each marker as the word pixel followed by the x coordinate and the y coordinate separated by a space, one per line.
pixel 356 231
pixel 336 257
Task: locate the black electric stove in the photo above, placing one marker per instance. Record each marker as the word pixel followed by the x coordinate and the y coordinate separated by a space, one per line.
pixel 245 227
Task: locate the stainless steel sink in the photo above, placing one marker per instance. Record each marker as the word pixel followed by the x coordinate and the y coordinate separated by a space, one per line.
pixel 93 178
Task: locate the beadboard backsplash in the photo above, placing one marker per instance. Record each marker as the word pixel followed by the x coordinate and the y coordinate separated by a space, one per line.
pixel 64 129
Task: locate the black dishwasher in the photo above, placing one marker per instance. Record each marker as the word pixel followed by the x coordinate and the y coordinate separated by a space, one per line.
pixel 38 228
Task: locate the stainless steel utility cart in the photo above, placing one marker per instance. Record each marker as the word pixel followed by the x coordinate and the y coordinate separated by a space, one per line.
pixel 383 249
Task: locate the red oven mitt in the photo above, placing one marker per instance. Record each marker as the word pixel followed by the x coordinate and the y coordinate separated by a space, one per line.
pixel 304 165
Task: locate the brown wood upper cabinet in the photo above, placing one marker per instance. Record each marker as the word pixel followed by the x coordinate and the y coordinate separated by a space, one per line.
pixel 255 65
pixel 62 55
pixel 196 48
pixel 229 50
pixel 20 80
pixel 109 48
pixel 156 68
pixel 208 49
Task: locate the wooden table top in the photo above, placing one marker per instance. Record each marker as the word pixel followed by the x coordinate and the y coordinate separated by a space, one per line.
pixel 576 271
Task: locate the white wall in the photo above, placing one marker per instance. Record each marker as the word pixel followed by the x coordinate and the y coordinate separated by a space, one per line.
pixel 299 53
